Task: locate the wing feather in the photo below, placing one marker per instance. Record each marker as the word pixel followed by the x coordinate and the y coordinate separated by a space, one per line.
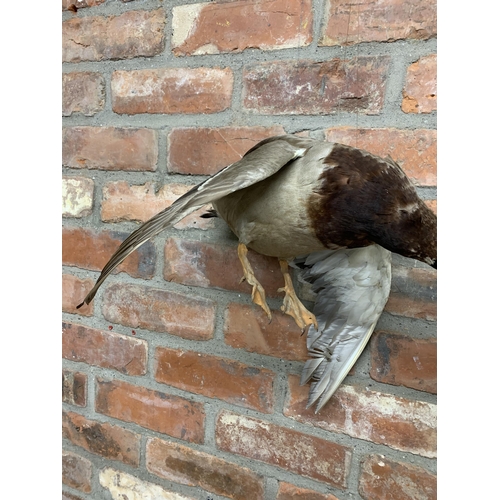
pixel 258 164
pixel 352 287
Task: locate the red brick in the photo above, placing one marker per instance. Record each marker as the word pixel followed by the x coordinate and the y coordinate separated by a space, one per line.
pixel 400 423
pixel 74 291
pixel 286 448
pixel 184 465
pixel 216 377
pixel 159 310
pixel 246 327
pixel 82 93
pixel 383 479
pixel 74 386
pixel 89 249
pixel 354 85
pixel 420 91
pixel 80 4
pixel 110 148
pixel 76 472
pixel 154 410
pixel 402 360
pixel 77 196
pixel 172 90
pixel 125 202
pixel 199 264
pixel 123 486
pixel 214 27
pixel 100 348
pixel 289 491
pixel 109 441
pixel 348 23
pixel 413 293
pixel 132 34
pixel 205 151
pixel 414 150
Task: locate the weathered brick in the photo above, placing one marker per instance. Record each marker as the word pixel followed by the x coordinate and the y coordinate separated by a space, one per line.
pixel 420 90
pixel 401 360
pixel 132 34
pixel 354 85
pixel 172 90
pixel 74 387
pixel 159 310
pixel 74 291
pixel 214 27
pixel 124 202
pixel 109 441
pixel 216 377
pixel 110 148
pixel 382 479
pixel 80 4
pixel 82 93
pixel 414 150
pixel 289 491
pixel 76 471
pixel 413 293
pixel 350 22
pixel 283 447
pixel 184 465
pixel 400 423
pixel 125 486
pixel 154 410
pixel 246 327
pixel 205 151
pixel 100 348
pixel 89 249
pixel 77 196
pixel 199 264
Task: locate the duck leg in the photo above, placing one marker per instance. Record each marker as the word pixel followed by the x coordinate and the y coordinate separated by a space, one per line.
pixel 291 303
pixel 258 293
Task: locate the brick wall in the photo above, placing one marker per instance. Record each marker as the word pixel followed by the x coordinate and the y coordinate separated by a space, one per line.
pixel 174 385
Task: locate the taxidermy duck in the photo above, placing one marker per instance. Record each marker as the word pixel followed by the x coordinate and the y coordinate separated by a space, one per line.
pixel 333 210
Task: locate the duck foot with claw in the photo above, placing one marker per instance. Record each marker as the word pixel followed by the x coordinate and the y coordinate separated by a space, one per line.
pixel 291 303
pixel 258 292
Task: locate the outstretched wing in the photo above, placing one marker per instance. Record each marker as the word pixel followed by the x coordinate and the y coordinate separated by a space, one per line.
pixel 352 287
pixel 260 162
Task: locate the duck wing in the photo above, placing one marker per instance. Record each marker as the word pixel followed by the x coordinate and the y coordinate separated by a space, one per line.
pixel 352 287
pixel 260 162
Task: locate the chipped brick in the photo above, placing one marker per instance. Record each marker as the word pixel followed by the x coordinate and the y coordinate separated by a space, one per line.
pixel 215 27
